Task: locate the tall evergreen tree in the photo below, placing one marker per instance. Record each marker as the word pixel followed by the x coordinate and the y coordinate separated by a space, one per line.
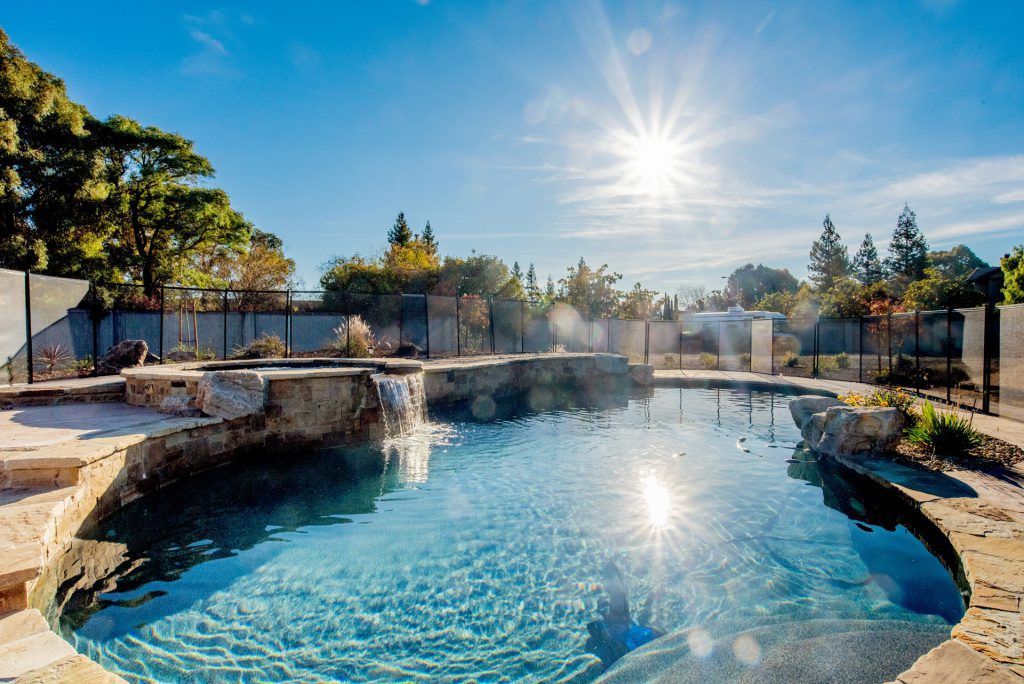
pixel 532 286
pixel 830 261
pixel 908 250
pixel 549 290
pixel 866 264
pixel 400 233
pixel 517 272
pixel 429 241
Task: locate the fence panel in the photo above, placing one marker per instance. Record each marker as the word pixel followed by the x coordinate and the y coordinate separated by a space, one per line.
pixel 413 326
pixel 734 345
pixel 256 317
pixel 793 347
pixel 933 347
pixel 663 344
pixel 474 325
pixel 699 345
pixel 61 327
pixel 967 356
pixel 761 338
pixel 1009 374
pixel 319 326
pixel 509 319
pixel 839 349
pixel 539 333
pixel 443 326
pixel 570 329
pixel 13 338
pixel 627 338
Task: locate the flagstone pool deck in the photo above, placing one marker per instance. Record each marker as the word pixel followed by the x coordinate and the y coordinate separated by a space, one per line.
pixel 85 423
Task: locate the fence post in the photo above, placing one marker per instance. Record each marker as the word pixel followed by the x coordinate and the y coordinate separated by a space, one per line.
pixel 225 324
pixel 94 317
pixel 814 362
pixel 949 354
pixel 458 328
pixel 860 349
pixel 647 341
pixel 401 319
pixel 490 316
pixel 680 339
pixel 590 334
pixel 160 342
pixel 917 351
pixel 288 324
pixel 28 327
pixel 522 327
pixel 426 318
pixel 718 350
pixel 888 341
pixel 986 347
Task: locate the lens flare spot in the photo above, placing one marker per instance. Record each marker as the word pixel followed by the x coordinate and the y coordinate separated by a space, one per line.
pixel 659 502
pixel 746 650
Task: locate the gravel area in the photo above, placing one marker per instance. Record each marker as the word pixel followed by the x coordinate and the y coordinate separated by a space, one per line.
pixel 991 453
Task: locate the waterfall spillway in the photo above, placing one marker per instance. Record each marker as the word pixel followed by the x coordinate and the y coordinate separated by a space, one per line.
pixel 402 401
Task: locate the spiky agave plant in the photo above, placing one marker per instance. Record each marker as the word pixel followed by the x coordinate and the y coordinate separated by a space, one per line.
pixel 946 434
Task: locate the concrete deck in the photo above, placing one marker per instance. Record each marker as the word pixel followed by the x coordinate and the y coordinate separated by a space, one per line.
pixel 35 426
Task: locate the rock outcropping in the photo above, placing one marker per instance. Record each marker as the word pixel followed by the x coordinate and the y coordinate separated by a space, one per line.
pixel 231 394
pixel 830 427
pixel 124 354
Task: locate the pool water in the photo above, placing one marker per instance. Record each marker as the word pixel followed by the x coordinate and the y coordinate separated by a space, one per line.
pixel 477 550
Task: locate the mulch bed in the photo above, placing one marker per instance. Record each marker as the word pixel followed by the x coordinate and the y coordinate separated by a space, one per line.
pixel 991 453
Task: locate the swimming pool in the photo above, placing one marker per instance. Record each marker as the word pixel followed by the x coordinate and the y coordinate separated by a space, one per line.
pixel 479 550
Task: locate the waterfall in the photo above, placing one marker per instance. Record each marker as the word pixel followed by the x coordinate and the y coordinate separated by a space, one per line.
pixel 402 401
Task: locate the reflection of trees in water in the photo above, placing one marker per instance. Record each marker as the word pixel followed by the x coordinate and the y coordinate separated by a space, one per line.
pixel 215 515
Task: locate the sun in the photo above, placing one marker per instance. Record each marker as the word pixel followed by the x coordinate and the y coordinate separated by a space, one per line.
pixel 653 164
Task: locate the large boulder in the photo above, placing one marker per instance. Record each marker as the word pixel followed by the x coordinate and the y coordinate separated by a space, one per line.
pixel 641 373
pixel 802 408
pixel 851 430
pixel 231 394
pixel 124 354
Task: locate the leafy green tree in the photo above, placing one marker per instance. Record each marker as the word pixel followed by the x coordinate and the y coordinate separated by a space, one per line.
pixel 400 233
pixel 908 250
pixel 1013 276
pixel 590 291
pixel 779 302
pixel 938 291
pixel 751 283
pixel 956 262
pixel 848 299
pixel 636 303
pixel 830 261
pixel 428 238
pixel 159 210
pixel 51 177
pixel 866 264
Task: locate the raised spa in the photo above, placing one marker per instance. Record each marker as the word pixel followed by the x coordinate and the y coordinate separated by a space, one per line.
pixel 478 548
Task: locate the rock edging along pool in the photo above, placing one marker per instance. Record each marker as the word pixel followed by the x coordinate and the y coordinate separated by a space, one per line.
pixel 478 549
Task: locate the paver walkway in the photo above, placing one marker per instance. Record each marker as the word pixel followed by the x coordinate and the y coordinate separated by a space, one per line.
pixel 34 426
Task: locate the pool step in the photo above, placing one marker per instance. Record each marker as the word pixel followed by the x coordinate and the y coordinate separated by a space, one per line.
pixel 835 651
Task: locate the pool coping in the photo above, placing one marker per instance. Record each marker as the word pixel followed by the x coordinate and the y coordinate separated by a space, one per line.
pixel 986 531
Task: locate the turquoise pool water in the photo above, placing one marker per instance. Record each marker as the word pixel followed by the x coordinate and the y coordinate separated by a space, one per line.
pixel 475 551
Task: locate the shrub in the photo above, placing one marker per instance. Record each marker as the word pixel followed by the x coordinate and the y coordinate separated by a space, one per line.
pixel 557 349
pixel 885 398
pixel 53 357
pixel 265 347
pixel 842 360
pixel 946 434
pixel 745 360
pixel 353 338
pixel 827 363
pixel 83 367
pixel 790 360
pixel 670 361
pixel 708 360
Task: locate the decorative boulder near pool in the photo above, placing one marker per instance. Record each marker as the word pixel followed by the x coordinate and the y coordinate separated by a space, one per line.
pixel 641 373
pixel 830 427
pixel 124 354
pixel 231 394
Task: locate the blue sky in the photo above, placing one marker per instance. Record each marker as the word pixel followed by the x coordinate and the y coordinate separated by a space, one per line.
pixel 673 140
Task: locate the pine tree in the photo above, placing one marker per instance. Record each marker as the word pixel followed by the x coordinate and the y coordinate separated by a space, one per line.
pixel 532 288
pixel 549 290
pixel 866 263
pixel 908 250
pixel 428 239
pixel 517 272
pixel 400 234
pixel 830 261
